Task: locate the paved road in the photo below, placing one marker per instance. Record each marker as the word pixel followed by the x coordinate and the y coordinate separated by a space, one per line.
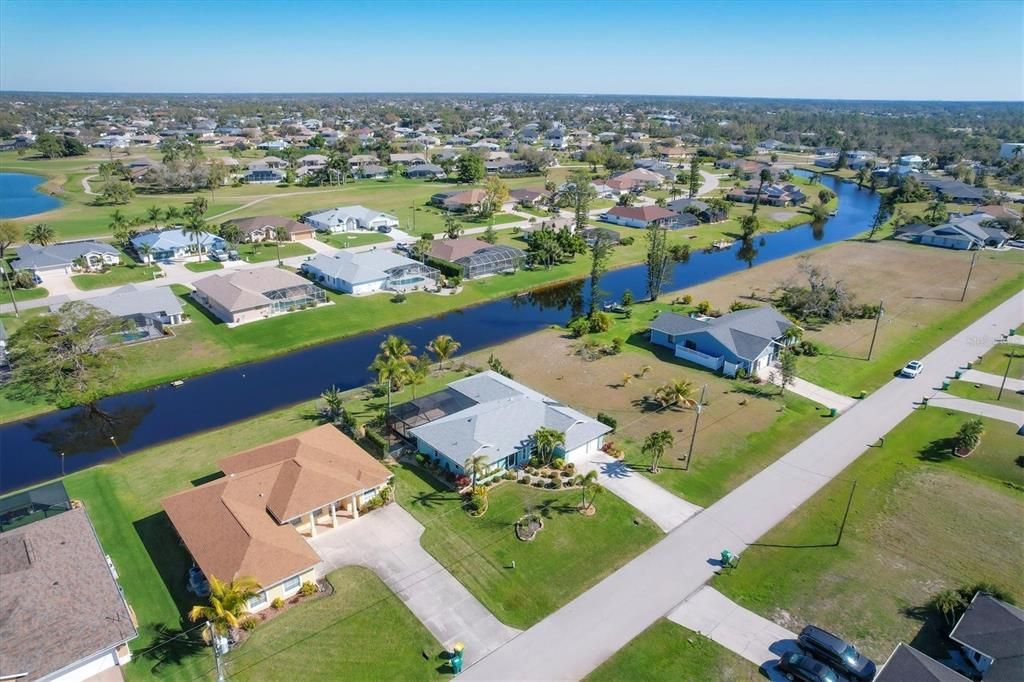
pixel 387 541
pixel 709 185
pixel 975 377
pixel 661 506
pixel 577 638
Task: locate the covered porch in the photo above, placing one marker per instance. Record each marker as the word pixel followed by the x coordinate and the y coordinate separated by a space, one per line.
pixel 328 517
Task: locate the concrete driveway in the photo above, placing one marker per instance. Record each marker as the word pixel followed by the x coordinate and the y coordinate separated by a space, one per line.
pixel 387 541
pixel 664 508
pixel 945 401
pixel 975 377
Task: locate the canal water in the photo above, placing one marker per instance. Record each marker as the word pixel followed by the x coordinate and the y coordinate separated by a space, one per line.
pixel 30 450
pixel 20 196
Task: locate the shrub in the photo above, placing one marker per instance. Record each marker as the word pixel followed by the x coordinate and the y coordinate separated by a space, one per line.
pixel 617 344
pixel 741 373
pixel 627 298
pixel 516 229
pixel 704 308
pixel 398 298
pixel 550 485
pixel 277 603
pixel 578 327
pixel 607 420
pixel 420 458
pixel 454 281
pixel 557 463
pixel 539 483
pixel 740 305
pixel 525 480
pixel 477 501
pixel 567 474
pixel 687 299
pixel 808 348
pixel 249 624
pixel 627 240
pixel 570 467
pixel 868 311
pixel 508 475
pixel 556 483
pixel 462 481
pixel 600 322
pixel 308 588
pixel 969 435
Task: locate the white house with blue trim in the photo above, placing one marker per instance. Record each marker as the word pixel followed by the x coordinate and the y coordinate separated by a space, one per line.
pixel 173 244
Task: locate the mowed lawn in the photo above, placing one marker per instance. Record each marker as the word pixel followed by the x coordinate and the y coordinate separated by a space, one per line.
pixel 667 651
pixel 116 276
pixel 571 553
pixel 921 521
pixel 360 632
pixel 987 394
pixel 1003 358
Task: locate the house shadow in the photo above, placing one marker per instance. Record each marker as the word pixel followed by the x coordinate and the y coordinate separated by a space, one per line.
pixel 932 636
pixel 169 556
pixel 213 476
pixel 201 309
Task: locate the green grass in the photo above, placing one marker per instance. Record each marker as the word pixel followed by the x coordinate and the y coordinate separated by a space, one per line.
pixel 569 555
pixel 667 651
pixel 343 240
pixel 260 253
pixel 360 632
pixel 22 294
pixel 115 276
pixel 850 375
pixel 921 521
pixel 987 394
pixel 204 266
pixel 995 361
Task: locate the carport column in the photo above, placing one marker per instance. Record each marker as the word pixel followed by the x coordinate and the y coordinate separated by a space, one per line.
pixel 334 515
pixel 354 507
pixel 312 524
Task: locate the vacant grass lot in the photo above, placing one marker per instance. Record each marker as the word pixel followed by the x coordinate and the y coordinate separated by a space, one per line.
pixel 258 252
pixel 987 394
pixel 921 521
pixel 571 553
pixel 999 356
pixel 667 651
pixel 116 276
pixel 361 632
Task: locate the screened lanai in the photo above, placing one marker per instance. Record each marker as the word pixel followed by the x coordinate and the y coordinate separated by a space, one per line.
pixel 426 409
pixel 490 260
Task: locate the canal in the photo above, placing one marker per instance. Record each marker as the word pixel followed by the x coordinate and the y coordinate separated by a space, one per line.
pixel 30 450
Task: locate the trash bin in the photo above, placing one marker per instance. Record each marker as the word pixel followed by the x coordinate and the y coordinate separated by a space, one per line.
pixel 456 659
pixel 959 373
pixel 833 412
pixel 1013 332
pixel 945 384
pixel 863 394
pixel 970 365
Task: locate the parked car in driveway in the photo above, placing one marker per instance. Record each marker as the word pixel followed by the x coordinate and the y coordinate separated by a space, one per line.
pixel 837 652
pixel 804 668
pixel 911 369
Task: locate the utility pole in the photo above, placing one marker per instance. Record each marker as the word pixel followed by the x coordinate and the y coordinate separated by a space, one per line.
pixel 696 421
pixel 10 287
pixel 216 651
pixel 878 317
pixel 1013 356
pixel 846 514
pixel 973 259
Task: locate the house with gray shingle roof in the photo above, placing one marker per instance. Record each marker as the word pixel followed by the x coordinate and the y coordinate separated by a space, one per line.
pixel 172 244
pixel 346 218
pixel 369 272
pixel 92 255
pixel 746 339
pixel 964 232
pixel 907 664
pixel 493 416
pixel 250 295
pixel 991 633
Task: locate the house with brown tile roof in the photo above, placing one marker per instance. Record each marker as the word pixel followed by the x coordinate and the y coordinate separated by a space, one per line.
pixel 468 200
pixel 252 522
pixel 64 616
pixel 262 227
pixel 250 295
pixel 643 216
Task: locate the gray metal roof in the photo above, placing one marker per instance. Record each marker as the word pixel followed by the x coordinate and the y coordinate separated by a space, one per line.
pixel 175 238
pixel 745 332
pixel 358 268
pixel 32 256
pixel 131 300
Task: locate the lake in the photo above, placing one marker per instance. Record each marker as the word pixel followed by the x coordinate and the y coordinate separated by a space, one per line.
pixel 19 195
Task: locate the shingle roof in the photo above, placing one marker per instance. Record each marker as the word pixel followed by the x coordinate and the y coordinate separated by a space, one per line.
pixel 131 300
pixel 907 664
pixel 996 629
pixel 744 332
pixel 59 600
pixel 32 256
pixel 453 249
pixel 645 213
pixel 246 288
pixel 260 222
pixel 358 268
pixel 165 240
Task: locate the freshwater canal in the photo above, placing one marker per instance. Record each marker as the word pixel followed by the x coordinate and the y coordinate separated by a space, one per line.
pixel 30 450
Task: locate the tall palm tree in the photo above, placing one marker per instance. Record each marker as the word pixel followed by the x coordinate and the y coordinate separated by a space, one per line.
pixel 41 234
pixel 676 392
pixel 280 235
pixel 590 488
pixel 476 466
pixel 333 403
pixel 392 372
pixel 195 228
pixel 153 214
pixel 229 604
pixel 443 347
pixel 396 347
pixel 145 251
pixel 198 206
pixel 419 370
pixel 171 213
pixel 655 445
pixel 546 441
pixel 947 602
pixel 766 176
pixel 118 220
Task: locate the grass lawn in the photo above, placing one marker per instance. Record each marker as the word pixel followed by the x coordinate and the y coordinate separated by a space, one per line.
pixel 115 276
pixel 667 651
pixel 259 253
pixel 346 240
pixel 204 266
pixel 571 553
pixel 22 294
pixel 986 394
pixel 361 632
pixel 996 359
pixel 921 521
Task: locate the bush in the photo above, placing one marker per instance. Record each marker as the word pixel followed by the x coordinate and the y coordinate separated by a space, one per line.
pixel 557 463
pixel 627 240
pixel 969 435
pixel 627 298
pixel 516 229
pixel 617 344
pixel 607 420
pixel 398 298
pixel 525 480
pixel 687 299
pixel 578 327
pixel 570 467
pixel 462 480
pixel 308 588
pixel 600 322
pixel 539 483
pixel 868 311
pixel 508 475
pixel 478 501
pixel 249 624
pixel 556 483
pixel 421 458
pixel 740 305
pixel 550 485
pixel 703 308
pixel 277 603
pixel 454 281
pixel 377 440
pixel 808 348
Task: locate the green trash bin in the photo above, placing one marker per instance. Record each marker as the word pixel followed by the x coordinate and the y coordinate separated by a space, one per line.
pixel 945 384
pixel 970 365
pixel 959 373
pixel 1013 332
pixel 833 412
pixel 863 394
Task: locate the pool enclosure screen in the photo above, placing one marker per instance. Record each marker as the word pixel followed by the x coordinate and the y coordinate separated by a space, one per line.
pixel 490 260
pixel 31 505
pixel 283 300
pixel 411 276
pixel 426 409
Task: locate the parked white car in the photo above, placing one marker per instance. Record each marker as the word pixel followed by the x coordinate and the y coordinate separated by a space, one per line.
pixel 912 369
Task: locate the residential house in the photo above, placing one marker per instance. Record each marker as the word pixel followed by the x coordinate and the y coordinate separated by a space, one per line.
pixel 67 257
pixel 746 339
pixel 262 175
pixel 64 615
pixel 312 161
pixel 371 171
pixel 952 190
pixel 704 212
pixel 357 160
pixel 643 216
pixel 746 168
pixel 173 244
pixel 991 634
pixel 636 179
pixel 408 159
pixel 475 257
pixel 426 171
pixel 274 162
pixel 1011 150
pixel 907 664
pixel 263 227
pixel 592 234
pixel 972 231
pixel 369 272
pixel 273 145
pixel 252 521
pixel 250 295
pixel 467 201
pixel 149 310
pixel 509 167
pixel 528 197
pixel 771 194
pixel 912 161
pixel 348 218
pixel 495 417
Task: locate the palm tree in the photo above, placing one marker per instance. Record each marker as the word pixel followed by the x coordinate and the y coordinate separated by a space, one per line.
pixel 419 370
pixel 546 441
pixel 392 372
pixel 198 206
pixel 476 467
pixel 396 347
pixel 443 347
pixel 824 196
pixel 153 214
pixel 862 175
pixel 280 235
pixel 947 602
pixel 145 251
pixel 676 392
pixel 41 234
pixel 333 403
pixel 171 213
pixel 655 445
pixel 766 176
pixel 590 487
pixel 196 229
pixel 229 604
pixel 935 208
pixel 819 212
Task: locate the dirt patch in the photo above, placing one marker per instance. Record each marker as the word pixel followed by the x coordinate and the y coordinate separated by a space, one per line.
pixel 781 216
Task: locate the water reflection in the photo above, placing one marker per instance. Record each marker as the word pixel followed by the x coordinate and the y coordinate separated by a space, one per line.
pixel 818 229
pixel 88 430
pixel 747 252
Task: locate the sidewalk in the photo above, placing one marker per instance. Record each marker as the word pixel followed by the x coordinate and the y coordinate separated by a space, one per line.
pixel 818 394
pixel 944 401
pixel 664 508
pixel 973 376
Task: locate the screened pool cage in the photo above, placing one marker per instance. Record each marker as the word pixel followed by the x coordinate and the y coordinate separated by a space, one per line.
pixel 491 260
pixel 291 298
pixel 412 277
pixel 426 409
pixel 31 505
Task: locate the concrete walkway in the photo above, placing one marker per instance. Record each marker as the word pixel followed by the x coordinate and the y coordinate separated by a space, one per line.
pixel 664 508
pixel 973 376
pixel 945 401
pixel 387 541
pixel 577 638
pixel 818 394
pixel 709 184
pixel 743 632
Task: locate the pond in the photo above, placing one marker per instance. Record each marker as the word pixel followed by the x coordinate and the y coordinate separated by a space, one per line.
pixel 20 196
pixel 31 449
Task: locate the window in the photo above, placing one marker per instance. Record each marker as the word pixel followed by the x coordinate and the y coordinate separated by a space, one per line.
pixel 292 584
pixel 258 600
pixel 689 343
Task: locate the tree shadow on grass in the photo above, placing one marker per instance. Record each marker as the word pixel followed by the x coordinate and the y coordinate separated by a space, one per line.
pixel 939 450
pixel 169 556
pixel 172 646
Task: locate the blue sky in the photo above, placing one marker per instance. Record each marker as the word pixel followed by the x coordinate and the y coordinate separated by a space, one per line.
pixel 850 50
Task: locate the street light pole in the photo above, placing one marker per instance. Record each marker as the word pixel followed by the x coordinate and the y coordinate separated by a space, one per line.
pixel 696 421
pixel 878 317
pixel 969 272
